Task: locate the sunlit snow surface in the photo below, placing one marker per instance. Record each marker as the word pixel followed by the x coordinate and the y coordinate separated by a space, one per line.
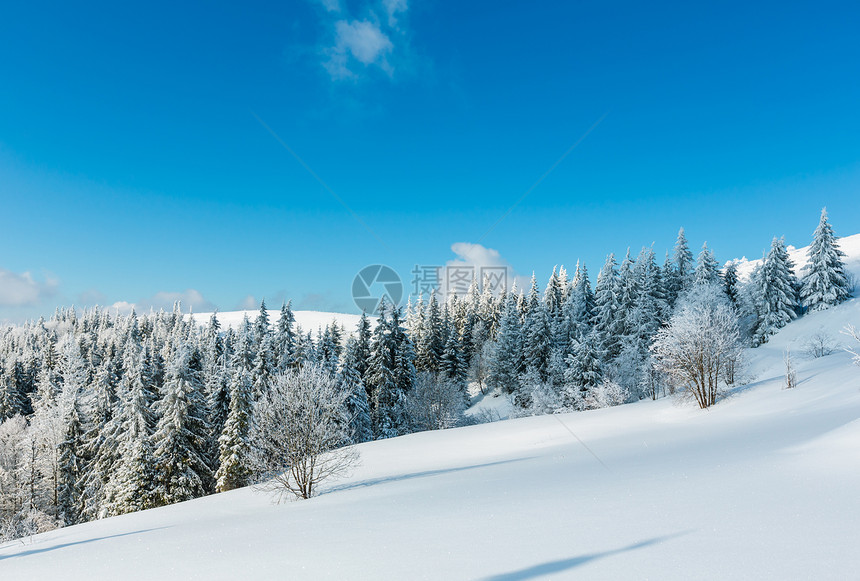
pixel 762 486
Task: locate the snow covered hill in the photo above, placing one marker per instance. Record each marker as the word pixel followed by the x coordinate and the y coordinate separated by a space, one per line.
pixel 307 320
pixel 761 486
pixel 850 245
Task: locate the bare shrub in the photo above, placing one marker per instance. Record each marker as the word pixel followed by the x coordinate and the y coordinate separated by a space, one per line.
pixel 852 332
pixel 790 373
pixel 298 432
pixel 820 344
pixel 485 416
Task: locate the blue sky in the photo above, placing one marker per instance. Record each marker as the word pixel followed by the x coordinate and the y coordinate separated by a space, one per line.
pixel 134 170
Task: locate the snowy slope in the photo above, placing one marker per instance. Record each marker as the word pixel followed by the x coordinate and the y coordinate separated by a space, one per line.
pixel 761 486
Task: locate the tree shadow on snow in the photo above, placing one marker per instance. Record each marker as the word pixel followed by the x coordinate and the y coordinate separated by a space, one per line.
pixel 397 478
pixel 553 567
pixel 64 545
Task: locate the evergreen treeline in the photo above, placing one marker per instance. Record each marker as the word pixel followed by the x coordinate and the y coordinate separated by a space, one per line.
pixel 105 414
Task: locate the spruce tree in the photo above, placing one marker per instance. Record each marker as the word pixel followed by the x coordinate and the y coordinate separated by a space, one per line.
pixel 12 401
pixel 132 478
pixel 70 464
pixel 284 344
pixel 181 434
pixel 453 366
pixel 431 338
pixel 233 446
pixel 683 259
pixel 506 361
pixel 536 340
pixel 584 370
pixel 397 421
pixel 579 307
pixel 607 309
pixel 357 408
pixel 380 373
pixel 707 270
pixel 776 293
pixel 824 281
pixel 730 282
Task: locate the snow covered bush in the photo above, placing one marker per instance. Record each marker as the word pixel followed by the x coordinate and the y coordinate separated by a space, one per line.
pixel 435 402
pixel 700 344
pixel 851 331
pixel 545 399
pixel 297 433
pixel 607 393
pixel 25 523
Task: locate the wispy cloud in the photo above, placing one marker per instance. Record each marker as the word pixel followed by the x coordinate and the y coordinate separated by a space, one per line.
pixel 360 44
pixel 330 5
pixel 249 303
pixel 358 41
pixel 21 290
pixel 394 7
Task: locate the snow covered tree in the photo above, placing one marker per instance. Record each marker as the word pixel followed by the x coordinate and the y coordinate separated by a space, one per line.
pixel 180 438
pixel 297 433
pixel 731 282
pixel 452 364
pixel 233 446
pixel 69 464
pixel 12 400
pixel 607 309
pixel 584 370
pixel 537 335
pixel 356 406
pixel 396 414
pixel 507 358
pixel 707 269
pixel 131 481
pixel 362 345
pixel 824 282
pixel 683 259
pixel 390 374
pixel 700 343
pixel 431 341
pixel 776 296
pixel 579 307
pixel 284 342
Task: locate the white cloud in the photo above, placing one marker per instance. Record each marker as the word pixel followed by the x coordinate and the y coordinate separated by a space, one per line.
pixel 190 300
pixel 330 5
pixel 361 41
pixel 18 290
pixel 481 261
pixel 393 7
pixel 249 303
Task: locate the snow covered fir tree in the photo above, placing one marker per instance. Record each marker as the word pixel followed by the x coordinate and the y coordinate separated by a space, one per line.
pixel 105 414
